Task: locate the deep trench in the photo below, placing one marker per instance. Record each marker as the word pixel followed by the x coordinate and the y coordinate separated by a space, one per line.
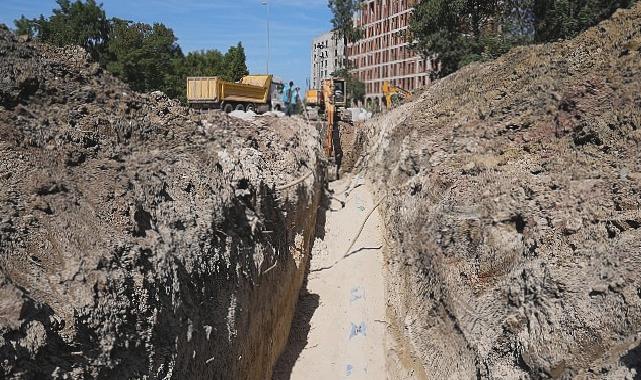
pixel 339 325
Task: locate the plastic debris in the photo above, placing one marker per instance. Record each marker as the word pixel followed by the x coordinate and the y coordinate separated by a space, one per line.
pixel 356 294
pixel 348 371
pixel 358 330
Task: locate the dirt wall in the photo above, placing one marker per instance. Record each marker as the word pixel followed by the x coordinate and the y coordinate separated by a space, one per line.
pixel 513 211
pixel 349 142
pixel 138 239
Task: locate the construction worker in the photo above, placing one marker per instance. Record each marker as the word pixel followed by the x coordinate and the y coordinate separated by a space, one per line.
pixel 297 104
pixel 290 99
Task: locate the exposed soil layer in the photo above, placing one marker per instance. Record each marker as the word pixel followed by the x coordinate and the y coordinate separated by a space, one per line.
pixel 513 198
pixel 349 143
pixel 138 240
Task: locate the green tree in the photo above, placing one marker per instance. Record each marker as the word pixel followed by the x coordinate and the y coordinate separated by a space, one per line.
pixel 207 63
pixel 560 19
pixel 145 56
pixel 455 33
pixel 343 22
pixel 458 32
pixel 196 64
pixel 77 23
pixel 518 19
pixel 235 63
pixel 29 27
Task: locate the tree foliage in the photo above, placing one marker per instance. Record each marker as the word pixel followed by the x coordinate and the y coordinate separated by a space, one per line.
pixel 456 32
pixel 556 19
pixel 205 63
pixel 343 19
pixel 77 23
pixel 343 22
pixel 28 27
pixel 145 56
pixel 234 63
pixel 231 66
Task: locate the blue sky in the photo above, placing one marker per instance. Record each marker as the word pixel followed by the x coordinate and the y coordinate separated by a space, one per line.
pixel 218 24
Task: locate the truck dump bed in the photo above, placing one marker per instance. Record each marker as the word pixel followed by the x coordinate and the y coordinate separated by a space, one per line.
pixel 203 89
pixel 251 89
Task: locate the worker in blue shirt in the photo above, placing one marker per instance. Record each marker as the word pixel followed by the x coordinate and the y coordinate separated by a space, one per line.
pixel 290 99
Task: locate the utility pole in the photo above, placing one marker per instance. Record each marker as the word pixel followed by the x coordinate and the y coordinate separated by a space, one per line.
pixel 269 12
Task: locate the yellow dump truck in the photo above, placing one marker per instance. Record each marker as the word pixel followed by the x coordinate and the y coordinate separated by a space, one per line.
pixel 253 92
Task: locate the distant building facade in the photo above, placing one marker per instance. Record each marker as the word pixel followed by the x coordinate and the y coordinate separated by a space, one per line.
pixel 328 55
pixel 383 54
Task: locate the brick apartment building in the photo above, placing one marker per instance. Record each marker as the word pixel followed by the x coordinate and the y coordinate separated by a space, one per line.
pixel 383 54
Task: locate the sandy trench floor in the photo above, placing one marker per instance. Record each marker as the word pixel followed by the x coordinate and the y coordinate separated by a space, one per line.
pixel 339 328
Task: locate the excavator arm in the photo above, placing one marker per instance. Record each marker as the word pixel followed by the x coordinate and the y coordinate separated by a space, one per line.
pixel 330 112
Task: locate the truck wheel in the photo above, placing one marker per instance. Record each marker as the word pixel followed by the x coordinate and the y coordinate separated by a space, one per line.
pixel 277 107
pixel 240 107
pixel 227 107
pixel 251 107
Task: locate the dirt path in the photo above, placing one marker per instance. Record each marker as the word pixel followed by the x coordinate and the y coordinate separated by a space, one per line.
pixel 340 326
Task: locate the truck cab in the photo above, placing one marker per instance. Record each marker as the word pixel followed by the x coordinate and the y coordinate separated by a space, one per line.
pixel 277 89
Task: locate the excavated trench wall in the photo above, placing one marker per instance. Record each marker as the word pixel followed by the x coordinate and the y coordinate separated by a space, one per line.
pixel 512 205
pixel 138 239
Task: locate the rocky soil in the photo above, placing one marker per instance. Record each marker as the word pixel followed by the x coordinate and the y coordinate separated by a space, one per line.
pixel 141 240
pixel 138 240
pixel 512 203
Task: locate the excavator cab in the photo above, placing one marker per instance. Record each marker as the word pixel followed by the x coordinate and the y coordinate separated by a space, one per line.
pixel 340 92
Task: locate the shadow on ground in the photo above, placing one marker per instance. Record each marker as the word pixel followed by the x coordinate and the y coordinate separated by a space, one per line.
pixel 307 305
pixel 305 309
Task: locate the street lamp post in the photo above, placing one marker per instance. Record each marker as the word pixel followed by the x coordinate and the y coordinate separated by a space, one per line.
pixel 269 11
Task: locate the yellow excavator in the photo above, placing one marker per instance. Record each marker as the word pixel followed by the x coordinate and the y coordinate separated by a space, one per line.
pixel 329 102
pixel 394 95
pixel 332 100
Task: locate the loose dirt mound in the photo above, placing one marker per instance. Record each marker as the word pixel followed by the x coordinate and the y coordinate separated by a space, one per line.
pixel 137 240
pixel 513 208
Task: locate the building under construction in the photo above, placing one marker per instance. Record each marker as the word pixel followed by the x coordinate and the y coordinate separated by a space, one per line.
pixel 383 54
